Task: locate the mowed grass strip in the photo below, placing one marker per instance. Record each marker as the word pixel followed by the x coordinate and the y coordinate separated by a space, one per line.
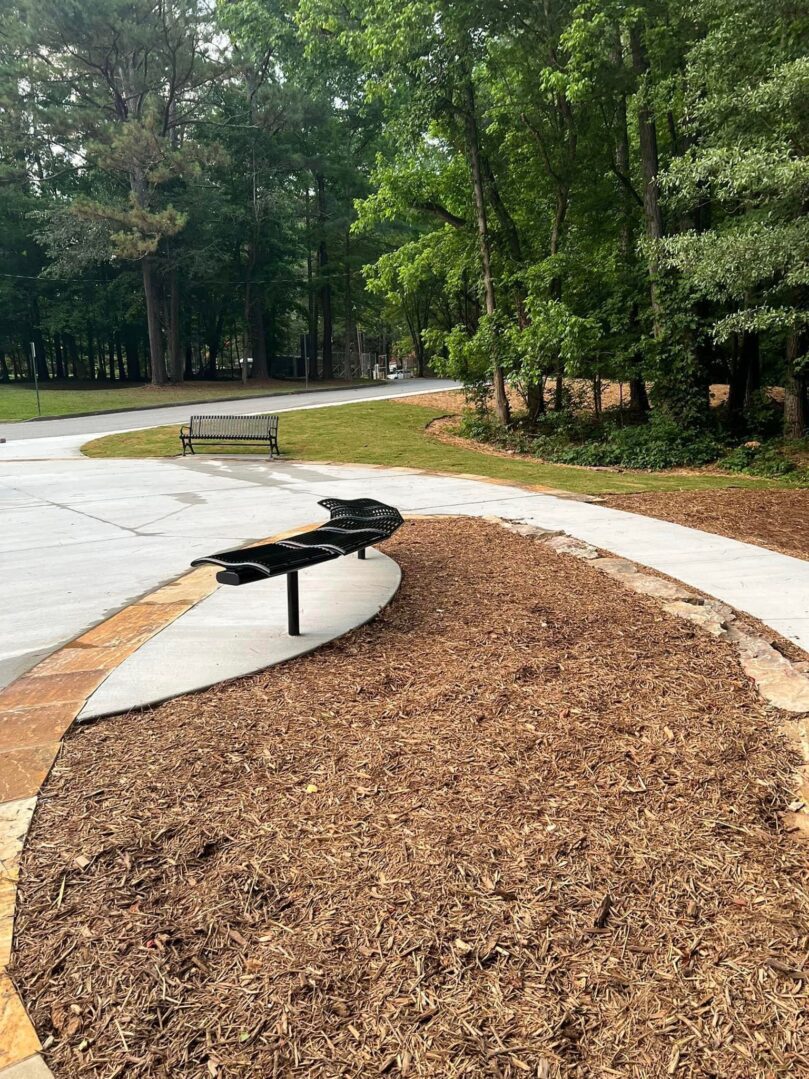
pixel 19 403
pixel 394 434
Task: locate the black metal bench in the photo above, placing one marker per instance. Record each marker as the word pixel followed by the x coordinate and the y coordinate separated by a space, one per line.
pixel 230 429
pixel 355 524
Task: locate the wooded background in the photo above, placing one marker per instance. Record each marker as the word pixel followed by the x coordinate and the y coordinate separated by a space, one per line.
pixel 510 191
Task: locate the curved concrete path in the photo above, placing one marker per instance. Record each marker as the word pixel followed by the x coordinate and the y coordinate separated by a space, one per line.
pixel 83 538
pixel 228 634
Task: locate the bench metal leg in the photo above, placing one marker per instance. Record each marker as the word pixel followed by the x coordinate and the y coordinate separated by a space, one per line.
pixel 361 554
pixel 293 608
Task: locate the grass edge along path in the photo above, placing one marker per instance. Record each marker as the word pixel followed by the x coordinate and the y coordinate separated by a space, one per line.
pixel 18 403
pixel 394 435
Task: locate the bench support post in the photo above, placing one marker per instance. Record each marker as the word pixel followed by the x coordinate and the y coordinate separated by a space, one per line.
pixel 361 554
pixel 293 611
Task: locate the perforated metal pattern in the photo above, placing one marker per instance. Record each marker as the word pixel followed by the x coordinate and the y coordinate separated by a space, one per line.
pixel 355 524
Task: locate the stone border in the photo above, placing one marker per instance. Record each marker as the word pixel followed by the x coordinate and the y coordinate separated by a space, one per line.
pixel 782 683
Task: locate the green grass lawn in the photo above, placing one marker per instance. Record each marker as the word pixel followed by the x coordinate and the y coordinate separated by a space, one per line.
pixel 387 433
pixel 20 403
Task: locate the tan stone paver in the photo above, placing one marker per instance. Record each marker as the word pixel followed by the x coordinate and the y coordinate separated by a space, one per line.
pixel 18 1038
pixel 23 771
pixel 191 588
pixel 36 689
pixel 32 1068
pixel 15 818
pixel 135 624
pixel 33 724
pixel 78 658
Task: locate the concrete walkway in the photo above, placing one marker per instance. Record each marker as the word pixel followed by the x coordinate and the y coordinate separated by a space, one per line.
pixel 83 538
pixel 231 633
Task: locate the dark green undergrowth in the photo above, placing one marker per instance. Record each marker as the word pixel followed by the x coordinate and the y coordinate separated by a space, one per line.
pixel 618 440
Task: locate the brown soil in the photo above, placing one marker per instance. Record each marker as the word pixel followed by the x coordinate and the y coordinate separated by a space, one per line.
pixel 611 396
pixel 523 824
pixel 778 519
pixel 452 402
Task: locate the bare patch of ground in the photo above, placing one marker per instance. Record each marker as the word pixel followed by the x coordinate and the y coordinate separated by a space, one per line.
pixel 613 394
pixel 778 519
pixel 524 823
pixel 452 401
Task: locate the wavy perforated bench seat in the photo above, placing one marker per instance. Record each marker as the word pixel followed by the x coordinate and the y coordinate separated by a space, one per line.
pixel 230 429
pixel 354 525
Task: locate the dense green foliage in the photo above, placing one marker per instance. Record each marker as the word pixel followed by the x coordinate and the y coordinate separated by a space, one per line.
pixel 513 193
pixel 176 193
pixel 661 443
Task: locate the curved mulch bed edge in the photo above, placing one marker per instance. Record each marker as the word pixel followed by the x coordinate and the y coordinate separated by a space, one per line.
pixel 522 824
pixel 777 519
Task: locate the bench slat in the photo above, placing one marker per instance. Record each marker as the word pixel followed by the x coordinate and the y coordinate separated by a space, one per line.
pixel 259 428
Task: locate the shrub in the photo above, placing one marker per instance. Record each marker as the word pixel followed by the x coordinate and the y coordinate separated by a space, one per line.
pixel 763 416
pixel 659 444
pixel 758 459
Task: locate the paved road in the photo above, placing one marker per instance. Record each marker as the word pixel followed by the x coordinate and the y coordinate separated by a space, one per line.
pixel 82 538
pixel 155 417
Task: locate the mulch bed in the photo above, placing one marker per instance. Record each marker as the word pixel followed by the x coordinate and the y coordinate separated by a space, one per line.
pixel 523 824
pixel 778 519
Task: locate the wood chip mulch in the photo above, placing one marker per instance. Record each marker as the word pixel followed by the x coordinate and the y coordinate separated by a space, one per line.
pixel 778 519
pixel 523 824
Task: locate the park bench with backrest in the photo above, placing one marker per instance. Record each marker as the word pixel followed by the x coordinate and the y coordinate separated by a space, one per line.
pixel 231 429
pixel 355 524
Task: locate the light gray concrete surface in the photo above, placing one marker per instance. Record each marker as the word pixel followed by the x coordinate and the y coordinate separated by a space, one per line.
pixel 82 538
pixel 236 631
pixel 138 419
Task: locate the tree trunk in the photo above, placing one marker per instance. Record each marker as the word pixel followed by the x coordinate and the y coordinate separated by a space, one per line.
pixel 72 353
pixel 349 313
pixel 59 356
pixel 4 375
pixel 638 397
pixel 119 356
pixel 738 381
pixel 795 416
pixel 501 404
pixel 43 374
pixel 649 166
pixel 535 399
pixel 91 358
pixel 752 365
pixel 173 328
pixel 311 343
pixel 132 361
pixel 254 317
pixel 213 335
pixel 325 286
pixel 156 357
